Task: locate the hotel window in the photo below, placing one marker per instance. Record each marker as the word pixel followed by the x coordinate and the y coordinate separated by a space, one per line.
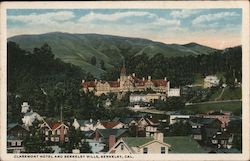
pixel 46 133
pixel 122 146
pixel 145 150
pixel 163 150
pixel 58 132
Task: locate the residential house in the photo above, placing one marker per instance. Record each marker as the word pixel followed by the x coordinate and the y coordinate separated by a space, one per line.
pixel 211 81
pixel 109 136
pixel 55 131
pixel 174 118
pixel 222 139
pixel 141 145
pixel 204 128
pixel 224 117
pixel 16 134
pixel 87 125
pixel 96 146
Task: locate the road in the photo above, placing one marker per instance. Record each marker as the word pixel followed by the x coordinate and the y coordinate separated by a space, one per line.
pixel 208 102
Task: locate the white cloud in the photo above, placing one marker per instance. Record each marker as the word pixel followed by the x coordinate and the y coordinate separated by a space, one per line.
pixel 183 13
pixel 213 17
pixel 45 18
pixel 92 16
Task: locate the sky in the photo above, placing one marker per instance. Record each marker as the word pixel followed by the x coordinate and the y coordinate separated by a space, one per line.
pixel 217 28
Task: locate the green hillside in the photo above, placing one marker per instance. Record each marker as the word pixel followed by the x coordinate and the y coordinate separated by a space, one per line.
pixel 78 49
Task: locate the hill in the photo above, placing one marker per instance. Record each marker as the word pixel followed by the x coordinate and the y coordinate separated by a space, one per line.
pixel 79 49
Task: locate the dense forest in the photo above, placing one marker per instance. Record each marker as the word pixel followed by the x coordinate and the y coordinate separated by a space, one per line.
pixel 181 70
pixel 48 84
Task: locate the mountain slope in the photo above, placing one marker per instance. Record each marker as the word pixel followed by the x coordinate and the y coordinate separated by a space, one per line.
pixel 78 49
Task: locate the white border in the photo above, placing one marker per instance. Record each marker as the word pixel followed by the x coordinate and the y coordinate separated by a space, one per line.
pixel 135 4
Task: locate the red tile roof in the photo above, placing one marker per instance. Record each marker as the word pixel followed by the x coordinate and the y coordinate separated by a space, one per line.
pixel 109 124
pixel 89 84
pixel 160 82
pixel 114 83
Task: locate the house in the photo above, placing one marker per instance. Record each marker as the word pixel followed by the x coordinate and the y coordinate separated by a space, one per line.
pixel 55 131
pixel 16 133
pixel 112 124
pixel 141 145
pixel 174 118
pixel 174 92
pixel 204 128
pixel 25 107
pixel 222 139
pixel 96 146
pixel 224 117
pixel 87 125
pixel 30 117
pixel 211 81
pixel 110 136
pixel 127 121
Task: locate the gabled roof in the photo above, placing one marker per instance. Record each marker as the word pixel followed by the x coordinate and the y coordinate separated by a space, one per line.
pixel 141 141
pixel 136 141
pixel 110 124
pixel 12 125
pixel 54 125
pixel 107 132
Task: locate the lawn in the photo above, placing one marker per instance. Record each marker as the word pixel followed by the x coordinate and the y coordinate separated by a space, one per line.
pixel 235 107
pixel 229 94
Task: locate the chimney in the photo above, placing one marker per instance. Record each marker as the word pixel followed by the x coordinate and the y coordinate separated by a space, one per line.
pixel 118 80
pixel 133 74
pixel 90 120
pixel 149 77
pixel 143 78
pixel 111 141
pixel 95 80
pixel 83 81
pixel 62 134
pixel 165 78
pixel 97 135
pixel 158 136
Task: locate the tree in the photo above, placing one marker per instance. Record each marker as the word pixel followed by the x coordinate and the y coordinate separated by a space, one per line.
pixel 102 65
pixel 93 60
pixel 180 129
pixel 35 143
pixel 76 141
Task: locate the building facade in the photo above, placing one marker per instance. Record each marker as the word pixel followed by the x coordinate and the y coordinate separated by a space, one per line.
pixel 126 83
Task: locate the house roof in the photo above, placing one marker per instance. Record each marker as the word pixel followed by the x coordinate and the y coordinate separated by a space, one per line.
pixel 107 132
pixel 12 137
pixel 183 144
pixel 54 125
pixel 126 120
pixel 12 125
pixel 89 84
pixel 109 124
pixel 136 141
